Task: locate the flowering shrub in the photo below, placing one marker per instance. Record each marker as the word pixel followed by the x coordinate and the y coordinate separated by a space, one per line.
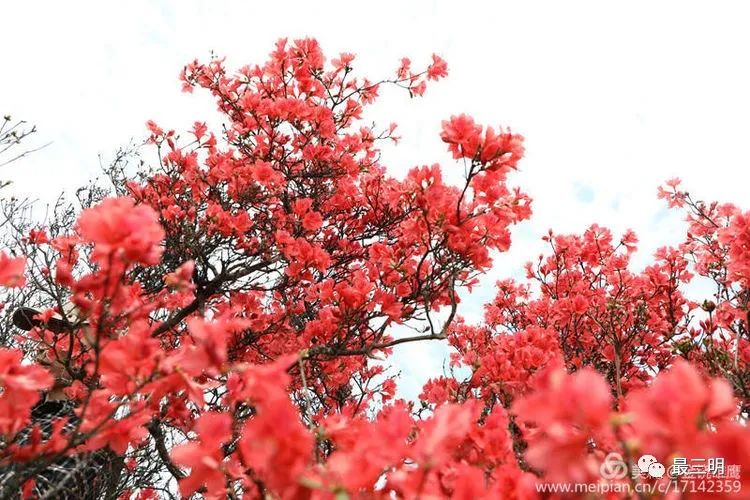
pixel 229 302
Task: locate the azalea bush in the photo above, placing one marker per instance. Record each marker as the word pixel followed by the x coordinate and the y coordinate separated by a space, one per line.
pixel 235 306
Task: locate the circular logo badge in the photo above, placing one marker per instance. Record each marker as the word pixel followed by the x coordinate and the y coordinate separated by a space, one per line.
pixel 613 467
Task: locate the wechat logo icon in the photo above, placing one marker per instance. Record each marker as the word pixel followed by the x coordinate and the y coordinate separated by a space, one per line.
pixel 651 466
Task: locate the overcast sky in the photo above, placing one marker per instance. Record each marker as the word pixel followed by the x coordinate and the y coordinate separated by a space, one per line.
pixel 612 97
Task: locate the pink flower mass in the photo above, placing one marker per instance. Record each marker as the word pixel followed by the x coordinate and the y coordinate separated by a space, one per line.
pixel 244 295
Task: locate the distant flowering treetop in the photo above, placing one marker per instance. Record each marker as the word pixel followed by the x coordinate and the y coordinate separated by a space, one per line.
pixel 229 301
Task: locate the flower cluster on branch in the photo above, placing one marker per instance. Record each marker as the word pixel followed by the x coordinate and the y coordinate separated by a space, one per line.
pixel 216 320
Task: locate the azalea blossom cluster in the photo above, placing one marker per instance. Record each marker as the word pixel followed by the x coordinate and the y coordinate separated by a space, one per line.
pixel 233 297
